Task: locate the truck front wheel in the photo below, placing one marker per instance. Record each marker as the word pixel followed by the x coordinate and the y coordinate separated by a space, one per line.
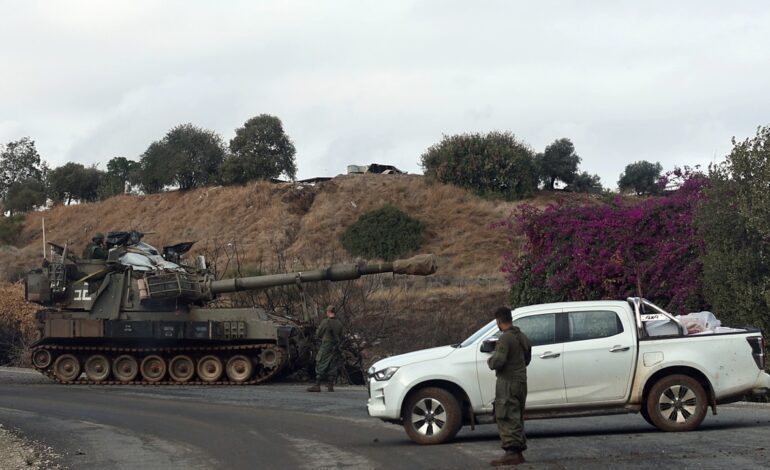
pixel 432 416
pixel 676 403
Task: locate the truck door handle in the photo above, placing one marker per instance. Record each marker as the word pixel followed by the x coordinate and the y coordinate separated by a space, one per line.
pixel 619 348
pixel 549 355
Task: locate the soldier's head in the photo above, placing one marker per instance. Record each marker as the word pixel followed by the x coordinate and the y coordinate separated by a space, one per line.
pixel 98 238
pixel 331 312
pixel 503 317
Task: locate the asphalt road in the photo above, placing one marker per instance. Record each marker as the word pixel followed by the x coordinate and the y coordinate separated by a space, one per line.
pixel 282 426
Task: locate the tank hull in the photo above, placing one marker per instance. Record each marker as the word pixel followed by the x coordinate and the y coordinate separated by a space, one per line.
pixel 208 346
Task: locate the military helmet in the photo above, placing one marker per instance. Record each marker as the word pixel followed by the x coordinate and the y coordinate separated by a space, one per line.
pixel 98 236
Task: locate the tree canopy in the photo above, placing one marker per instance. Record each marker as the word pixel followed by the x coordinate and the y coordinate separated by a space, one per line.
pixel 24 195
pixel 19 160
pixel 120 172
pixel 487 164
pixel 558 162
pixel 187 157
pixel 260 150
pixel 734 221
pixel 641 177
pixel 585 183
pixel 73 181
pixel 385 233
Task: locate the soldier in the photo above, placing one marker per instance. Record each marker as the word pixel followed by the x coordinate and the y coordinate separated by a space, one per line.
pixel 97 249
pixel 329 355
pixel 512 355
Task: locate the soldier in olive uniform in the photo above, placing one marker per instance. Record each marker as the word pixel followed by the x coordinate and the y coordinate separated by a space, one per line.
pixel 97 248
pixel 329 355
pixel 509 361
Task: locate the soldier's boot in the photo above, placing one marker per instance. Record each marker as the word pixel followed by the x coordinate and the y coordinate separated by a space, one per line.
pixel 314 388
pixel 510 458
pixel 330 386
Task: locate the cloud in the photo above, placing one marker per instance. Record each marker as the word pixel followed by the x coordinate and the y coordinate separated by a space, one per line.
pixel 357 82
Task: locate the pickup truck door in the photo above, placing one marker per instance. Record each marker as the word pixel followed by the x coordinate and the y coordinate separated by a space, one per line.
pixel 545 379
pixel 599 354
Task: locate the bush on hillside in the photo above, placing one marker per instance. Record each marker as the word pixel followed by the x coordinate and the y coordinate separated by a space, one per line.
pixel 386 233
pixel 605 251
pixel 735 223
pixel 10 228
pixel 495 164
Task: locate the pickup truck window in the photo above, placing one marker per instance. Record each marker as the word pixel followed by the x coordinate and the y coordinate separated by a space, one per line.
pixel 540 329
pixel 592 325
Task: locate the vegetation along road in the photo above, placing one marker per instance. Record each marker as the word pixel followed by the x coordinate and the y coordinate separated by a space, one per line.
pixel 281 426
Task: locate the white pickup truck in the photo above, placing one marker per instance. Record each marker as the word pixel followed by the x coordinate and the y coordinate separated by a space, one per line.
pixel 588 358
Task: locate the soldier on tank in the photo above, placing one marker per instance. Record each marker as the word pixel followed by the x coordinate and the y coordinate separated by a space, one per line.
pixel 329 355
pixel 97 249
pixel 510 360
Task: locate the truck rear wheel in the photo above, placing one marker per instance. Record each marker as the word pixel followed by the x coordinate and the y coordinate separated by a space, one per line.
pixel 432 416
pixel 677 403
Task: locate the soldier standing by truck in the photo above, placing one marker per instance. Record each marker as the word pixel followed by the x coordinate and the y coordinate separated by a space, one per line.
pixel 329 355
pixel 512 355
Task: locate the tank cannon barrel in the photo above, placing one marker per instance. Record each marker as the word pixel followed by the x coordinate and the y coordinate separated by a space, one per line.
pixel 420 265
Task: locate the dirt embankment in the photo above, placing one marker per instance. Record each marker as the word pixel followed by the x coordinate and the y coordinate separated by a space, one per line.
pixel 298 227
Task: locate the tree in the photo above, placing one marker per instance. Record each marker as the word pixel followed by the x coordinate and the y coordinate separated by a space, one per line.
pixel 120 172
pixel 19 161
pixel 187 156
pixel 25 195
pixel 558 162
pixel 733 221
pixel 641 177
pixel 585 183
pixel 490 164
pixel 74 181
pixel 260 150
pixel 386 233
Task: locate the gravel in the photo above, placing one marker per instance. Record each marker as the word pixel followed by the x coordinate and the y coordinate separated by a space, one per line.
pixel 18 453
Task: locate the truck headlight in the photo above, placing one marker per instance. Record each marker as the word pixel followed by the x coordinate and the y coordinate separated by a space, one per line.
pixel 384 374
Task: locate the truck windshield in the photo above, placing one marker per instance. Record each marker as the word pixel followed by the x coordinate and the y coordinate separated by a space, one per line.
pixel 484 330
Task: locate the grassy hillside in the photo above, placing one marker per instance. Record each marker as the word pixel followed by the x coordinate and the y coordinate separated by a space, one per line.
pixel 289 227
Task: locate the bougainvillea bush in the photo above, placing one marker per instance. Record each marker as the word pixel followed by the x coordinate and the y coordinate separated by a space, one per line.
pixel 610 250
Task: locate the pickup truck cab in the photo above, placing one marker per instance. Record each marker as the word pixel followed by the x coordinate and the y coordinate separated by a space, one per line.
pixel 588 358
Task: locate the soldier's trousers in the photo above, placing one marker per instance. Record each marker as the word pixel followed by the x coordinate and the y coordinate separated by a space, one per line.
pixel 326 364
pixel 510 398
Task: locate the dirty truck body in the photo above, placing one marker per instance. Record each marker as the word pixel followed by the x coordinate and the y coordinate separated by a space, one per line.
pixel 141 317
pixel 588 358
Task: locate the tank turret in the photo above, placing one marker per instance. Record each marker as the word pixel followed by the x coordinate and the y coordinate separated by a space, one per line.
pixel 140 316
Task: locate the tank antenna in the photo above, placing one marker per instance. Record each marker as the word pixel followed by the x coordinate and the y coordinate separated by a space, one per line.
pixel 43 238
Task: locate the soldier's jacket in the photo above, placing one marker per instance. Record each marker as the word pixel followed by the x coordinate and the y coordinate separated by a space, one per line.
pixel 512 355
pixel 330 333
pixel 94 251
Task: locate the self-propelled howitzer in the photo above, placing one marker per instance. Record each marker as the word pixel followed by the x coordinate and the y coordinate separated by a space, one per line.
pixel 141 317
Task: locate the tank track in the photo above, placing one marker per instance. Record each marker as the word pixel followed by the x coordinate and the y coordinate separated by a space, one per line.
pixel 251 350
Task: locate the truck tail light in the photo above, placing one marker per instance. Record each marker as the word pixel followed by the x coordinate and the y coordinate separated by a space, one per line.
pixel 758 350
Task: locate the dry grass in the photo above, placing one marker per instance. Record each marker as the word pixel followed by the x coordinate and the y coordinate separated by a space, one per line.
pixel 266 218
pixel 17 323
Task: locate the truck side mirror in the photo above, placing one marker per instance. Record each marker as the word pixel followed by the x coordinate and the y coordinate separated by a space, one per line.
pixel 488 345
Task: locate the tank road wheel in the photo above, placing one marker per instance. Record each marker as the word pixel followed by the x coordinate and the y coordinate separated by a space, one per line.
pixel 432 416
pixel 677 403
pixel 67 368
pixel 210 368
pixel 239 369
pixel 181 368
pixel 153 368
pixel 97 368
pixel 269 358
pixel 125 368
pixel 42 358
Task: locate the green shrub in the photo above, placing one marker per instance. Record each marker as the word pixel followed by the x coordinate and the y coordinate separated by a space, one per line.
pixel 386 233
pixel 10 228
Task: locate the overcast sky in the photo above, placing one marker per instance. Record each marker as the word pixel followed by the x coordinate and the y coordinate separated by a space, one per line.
pixel 358 82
